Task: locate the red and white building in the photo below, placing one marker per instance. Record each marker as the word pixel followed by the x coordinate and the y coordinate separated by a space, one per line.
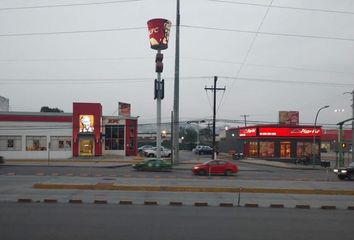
pixel 276 141
pixel 85 132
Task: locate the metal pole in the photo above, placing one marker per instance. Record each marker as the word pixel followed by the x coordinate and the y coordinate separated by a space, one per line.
pixel 214 117
pixel 172 137
pixel 314 139
pixel 340 149
pixel 353 127
pixel 175 142
pixel 158 115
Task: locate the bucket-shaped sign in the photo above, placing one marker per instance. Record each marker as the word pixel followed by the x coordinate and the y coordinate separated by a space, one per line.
pixel 159 31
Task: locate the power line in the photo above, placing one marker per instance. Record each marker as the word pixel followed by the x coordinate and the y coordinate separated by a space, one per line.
pixel 327 84
pixel 71 32
pixel 146 79
pixel 268 33
pixel 295 68
pixel 285 7
pixel 67 5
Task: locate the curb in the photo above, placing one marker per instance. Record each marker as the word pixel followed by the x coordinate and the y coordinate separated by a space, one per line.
pixel 177 203
pixel 147 188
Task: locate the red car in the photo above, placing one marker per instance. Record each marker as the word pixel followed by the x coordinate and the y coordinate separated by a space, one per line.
pixel 215 167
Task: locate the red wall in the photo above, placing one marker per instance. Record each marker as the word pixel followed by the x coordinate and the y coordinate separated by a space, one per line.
pixel 87 109
pixel 131 124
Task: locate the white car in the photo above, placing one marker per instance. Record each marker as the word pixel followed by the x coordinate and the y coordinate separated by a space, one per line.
pixel 165 152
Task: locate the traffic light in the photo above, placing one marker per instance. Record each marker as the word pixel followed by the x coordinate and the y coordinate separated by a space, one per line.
pixel 344 145
pixel 159 63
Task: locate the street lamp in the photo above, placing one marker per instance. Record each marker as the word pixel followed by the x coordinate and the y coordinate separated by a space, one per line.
pixel 314 135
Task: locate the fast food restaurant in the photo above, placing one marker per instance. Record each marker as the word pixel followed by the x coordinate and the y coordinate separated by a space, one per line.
pixel 277 141
pixel 83 133
pixel 285 141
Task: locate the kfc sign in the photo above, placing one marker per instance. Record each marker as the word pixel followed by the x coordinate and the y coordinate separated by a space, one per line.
pixel 159 32
pixel 248 132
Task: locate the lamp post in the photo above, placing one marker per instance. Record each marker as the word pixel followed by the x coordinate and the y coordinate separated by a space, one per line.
pixel 159 30
pixel 314 136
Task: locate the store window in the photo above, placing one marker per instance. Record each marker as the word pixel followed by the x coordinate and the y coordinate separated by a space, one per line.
pixel 253 149
pixel 114 137
pixel 266 149
pixel 10 143
pixel 60 143
pixel 304 149
pixel 36 143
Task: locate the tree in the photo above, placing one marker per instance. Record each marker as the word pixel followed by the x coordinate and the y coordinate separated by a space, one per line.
pixel 48 109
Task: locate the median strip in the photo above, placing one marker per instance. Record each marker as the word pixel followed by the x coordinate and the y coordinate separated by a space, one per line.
pixel 150 188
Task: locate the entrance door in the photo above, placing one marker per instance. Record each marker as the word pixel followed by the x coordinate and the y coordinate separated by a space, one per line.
pixel 86 147
pixel 285 149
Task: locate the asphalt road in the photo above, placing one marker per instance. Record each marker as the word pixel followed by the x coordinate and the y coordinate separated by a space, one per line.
pixel 247 171
pixel 112 221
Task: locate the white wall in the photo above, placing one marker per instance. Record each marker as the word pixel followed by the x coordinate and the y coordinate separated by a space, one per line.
pixel 24 129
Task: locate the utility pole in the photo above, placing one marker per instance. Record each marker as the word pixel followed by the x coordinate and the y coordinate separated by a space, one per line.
pixel 245 118
pixel 352 93
pixel 175 132
pixel 214 89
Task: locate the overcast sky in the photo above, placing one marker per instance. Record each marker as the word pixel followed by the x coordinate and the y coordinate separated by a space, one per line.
pixel 295 55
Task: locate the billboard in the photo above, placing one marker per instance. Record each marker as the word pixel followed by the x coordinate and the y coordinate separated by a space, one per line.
pixel 289 117
pixel 86 123
pixel 159 31
pixel 124 109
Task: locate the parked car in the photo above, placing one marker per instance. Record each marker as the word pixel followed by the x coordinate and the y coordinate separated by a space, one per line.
pixel 165 152
pixel 153 165
pixel 202 150
pixel 344 173
pixel 215 167
pixel 144 147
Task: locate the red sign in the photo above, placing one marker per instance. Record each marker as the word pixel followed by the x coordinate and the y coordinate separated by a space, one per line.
pixel 248 132
pixel 289 117
pixel 289 132
pixel 159 31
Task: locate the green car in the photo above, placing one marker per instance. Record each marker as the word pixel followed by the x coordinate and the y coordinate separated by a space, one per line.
pixel 153 165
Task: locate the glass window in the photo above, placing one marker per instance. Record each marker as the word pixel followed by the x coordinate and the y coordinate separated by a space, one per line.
pixel 253 149
pixel 114 137
pixel 121 137
pixel 266 149
pixel 60 143
pixel 305 149
pixel 36 143
pixel 10 143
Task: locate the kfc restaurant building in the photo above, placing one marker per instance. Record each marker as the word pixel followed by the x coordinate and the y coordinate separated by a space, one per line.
pixel 277 142
pixel 83 133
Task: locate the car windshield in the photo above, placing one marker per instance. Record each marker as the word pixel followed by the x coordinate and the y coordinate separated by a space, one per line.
pixel 351 164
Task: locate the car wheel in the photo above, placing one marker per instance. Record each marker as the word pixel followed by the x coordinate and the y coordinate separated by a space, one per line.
pixel 202 172
pixel 341 177
pixel 351 176
pixel 228 172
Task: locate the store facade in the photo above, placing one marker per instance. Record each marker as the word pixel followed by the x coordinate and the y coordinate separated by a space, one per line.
pixel 276 142
pixel 83 133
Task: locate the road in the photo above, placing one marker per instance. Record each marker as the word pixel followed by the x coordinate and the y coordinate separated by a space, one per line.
pixel 112 221
pixel 13 188
pixel 247 172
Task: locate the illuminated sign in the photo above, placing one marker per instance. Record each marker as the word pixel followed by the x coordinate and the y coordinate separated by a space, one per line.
pixel 248 132
pixel 86 123
pixel 289 132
